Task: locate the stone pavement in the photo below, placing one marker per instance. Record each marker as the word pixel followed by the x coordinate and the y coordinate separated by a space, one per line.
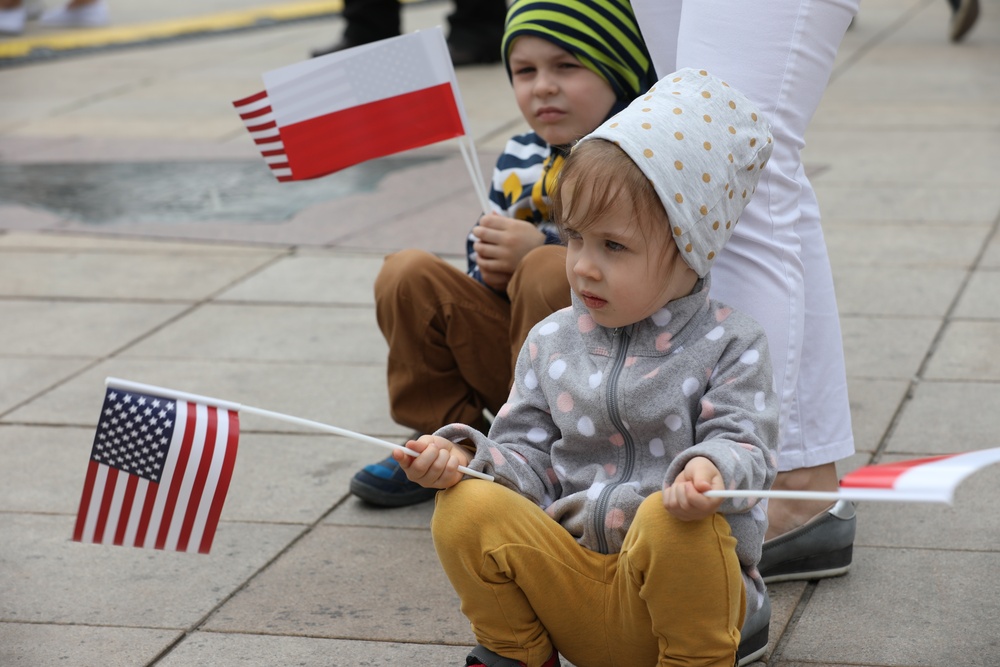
pixel 141 237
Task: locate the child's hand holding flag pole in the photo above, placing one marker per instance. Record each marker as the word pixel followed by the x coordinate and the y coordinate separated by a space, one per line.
pixel 325 114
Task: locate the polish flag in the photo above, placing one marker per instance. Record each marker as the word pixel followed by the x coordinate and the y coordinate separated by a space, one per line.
pixel 931 480
pixel 328 113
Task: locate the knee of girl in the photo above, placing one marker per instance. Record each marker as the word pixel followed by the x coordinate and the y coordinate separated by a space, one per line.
pixel 461 511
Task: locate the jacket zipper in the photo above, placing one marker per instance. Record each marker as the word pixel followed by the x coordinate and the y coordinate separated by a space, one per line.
pixel 615 415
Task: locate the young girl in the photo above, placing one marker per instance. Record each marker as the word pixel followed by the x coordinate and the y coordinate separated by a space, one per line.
pixel 597 540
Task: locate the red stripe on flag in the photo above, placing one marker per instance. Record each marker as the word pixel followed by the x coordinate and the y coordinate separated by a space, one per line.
pixel 88 490
pixel 222 487
pixel 178 477
pixel 201 474
pixel 264 126
pixel 270 139
pixel 331 142
pixel 147 513
pixel 107 494
pixel 278 165
pixel 883 475
pixel 256 97
pixel 256 114
pixel 132 481
pixel 272 153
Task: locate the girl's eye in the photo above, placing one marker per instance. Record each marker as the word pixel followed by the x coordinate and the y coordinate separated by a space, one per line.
pixel 614 246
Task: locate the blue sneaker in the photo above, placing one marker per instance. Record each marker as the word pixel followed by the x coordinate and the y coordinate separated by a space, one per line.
pixel 385 484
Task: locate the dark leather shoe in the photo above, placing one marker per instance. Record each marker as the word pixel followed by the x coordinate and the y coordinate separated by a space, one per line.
pixel 821 548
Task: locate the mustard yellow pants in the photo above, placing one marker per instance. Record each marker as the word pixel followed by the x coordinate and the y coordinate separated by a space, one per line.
pixel 452 341
pixel 673 596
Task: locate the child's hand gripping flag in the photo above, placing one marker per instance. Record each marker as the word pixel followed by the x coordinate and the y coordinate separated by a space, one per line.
pixel 931 480
pixel 325 114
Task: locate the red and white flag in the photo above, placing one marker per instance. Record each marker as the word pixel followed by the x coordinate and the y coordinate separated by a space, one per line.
pixel 158 474
pixel 930 480
pixel 328 113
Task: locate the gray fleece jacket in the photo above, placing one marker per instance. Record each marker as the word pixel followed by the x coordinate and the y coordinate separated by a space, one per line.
pixel 599 419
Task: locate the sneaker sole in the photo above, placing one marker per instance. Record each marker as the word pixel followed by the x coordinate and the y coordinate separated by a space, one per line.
pixel 380 498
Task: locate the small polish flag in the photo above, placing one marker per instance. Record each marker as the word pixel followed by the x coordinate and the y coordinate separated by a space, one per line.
pixel 932 480
pixel 328 113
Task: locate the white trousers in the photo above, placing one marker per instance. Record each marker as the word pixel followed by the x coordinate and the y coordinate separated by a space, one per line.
pixel 779 54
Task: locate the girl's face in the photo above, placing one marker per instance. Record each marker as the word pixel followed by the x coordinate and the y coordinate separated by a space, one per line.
pixel 560 98
pixel 622 271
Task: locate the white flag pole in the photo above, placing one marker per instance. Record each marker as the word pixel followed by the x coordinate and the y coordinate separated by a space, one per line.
pixel 472 165
pixel 845 493
pixel 118 383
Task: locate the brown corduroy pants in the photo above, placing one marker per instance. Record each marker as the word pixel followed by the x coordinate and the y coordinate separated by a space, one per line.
pixel 452 341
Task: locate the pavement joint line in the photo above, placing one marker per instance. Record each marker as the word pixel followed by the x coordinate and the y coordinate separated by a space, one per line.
pixel 71 40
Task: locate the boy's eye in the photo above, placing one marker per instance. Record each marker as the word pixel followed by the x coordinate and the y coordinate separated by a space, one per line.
pixel 523 70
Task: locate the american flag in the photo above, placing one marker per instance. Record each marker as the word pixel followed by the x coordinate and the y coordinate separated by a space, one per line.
pixel 158 474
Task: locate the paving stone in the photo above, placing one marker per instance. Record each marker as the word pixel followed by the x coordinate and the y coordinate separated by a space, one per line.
pixel 947 418
pixel 901 607
pixel 351 583
pixel 36 644
pixel 48 578
pixel 239 650
pixel 967 351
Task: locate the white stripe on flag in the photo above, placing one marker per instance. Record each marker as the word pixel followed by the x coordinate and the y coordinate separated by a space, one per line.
pixel 353 77
pixel 134 517
pixel 208 493
pixel 180 423
pixel 115 511
pixel 100 481
pixel 187 481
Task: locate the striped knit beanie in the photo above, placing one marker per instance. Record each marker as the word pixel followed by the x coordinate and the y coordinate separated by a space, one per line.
pixel 702 144
pixel 602 34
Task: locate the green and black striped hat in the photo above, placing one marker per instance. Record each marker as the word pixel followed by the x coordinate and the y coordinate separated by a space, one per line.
pixel 602 34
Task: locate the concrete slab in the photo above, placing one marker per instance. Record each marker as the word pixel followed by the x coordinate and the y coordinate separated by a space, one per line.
pixel 901 292
pixel 33 644
pixel 149 276
pixel 967 352
pixel 891 245
pixel 947 418
pixel 22 379
pixel 884 347
pixel 873 405
pixel 48 578
pixel 351 583
pixel 261 333
pixel 902 203
pixel 320 277
pixel 925 601
pixel 981 298
pixel 239 650
pixel 345 395
pixel 76 329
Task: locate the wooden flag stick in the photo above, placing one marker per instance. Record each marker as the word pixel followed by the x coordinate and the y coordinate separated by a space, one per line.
pixel 195 398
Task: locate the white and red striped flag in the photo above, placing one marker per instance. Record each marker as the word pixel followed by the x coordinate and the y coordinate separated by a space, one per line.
pixel 321 115
pixel 159 472
pixel 931 480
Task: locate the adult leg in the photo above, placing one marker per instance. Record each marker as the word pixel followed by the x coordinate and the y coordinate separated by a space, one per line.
pixel 370 20
pixel 781 58
pixel 475 31
pixel 537 289
pixel 448 342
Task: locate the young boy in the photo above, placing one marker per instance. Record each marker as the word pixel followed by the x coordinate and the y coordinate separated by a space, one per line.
pixel 597 539
pixel 453 337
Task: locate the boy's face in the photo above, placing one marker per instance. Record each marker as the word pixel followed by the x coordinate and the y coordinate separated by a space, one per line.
pixel 560 98
pixel 620 272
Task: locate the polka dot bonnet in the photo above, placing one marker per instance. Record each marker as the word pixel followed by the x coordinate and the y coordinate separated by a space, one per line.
pixel 702 144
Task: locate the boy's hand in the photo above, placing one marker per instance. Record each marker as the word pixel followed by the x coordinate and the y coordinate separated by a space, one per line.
pixel 437 465
pixel 502 244
pixel 684 498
